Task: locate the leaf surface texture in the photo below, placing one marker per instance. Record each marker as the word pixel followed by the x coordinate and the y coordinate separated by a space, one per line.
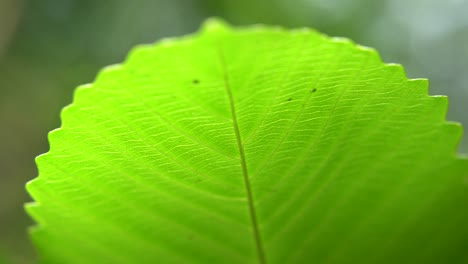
pixel 252 145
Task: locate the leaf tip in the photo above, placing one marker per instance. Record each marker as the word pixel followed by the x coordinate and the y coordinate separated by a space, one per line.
pixel 31 188
pixel 214 24
pixel 421 81
pixel 31 209
pixel 31 206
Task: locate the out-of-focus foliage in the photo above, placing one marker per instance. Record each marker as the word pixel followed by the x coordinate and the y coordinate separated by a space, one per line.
pixel 52 46
pixel 3 260
pixel 9 15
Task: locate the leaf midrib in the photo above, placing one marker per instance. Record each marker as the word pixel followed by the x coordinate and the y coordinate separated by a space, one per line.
pixel 245 173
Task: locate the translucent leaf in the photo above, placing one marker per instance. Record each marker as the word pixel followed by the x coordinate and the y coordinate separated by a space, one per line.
pixel 252 145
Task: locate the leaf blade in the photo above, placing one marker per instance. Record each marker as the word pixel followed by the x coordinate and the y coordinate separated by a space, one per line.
pixel 159 132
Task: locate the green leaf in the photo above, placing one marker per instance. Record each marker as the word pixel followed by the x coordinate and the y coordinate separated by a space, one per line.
pixel 252 145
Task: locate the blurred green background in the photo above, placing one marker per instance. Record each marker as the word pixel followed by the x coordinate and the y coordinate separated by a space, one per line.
pixel 49 47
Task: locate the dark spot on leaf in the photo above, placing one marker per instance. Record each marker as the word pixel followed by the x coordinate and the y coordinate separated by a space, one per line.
pixel 289 99
pixel 198 180
pixel 313 90
pixel 195 81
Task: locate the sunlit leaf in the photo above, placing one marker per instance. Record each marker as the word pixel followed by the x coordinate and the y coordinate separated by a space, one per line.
pixel 252 145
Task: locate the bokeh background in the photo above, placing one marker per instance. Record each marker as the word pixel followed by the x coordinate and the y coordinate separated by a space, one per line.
pixel 49 47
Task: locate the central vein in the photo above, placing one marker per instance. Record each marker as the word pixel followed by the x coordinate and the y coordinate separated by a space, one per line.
pixel 253 217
